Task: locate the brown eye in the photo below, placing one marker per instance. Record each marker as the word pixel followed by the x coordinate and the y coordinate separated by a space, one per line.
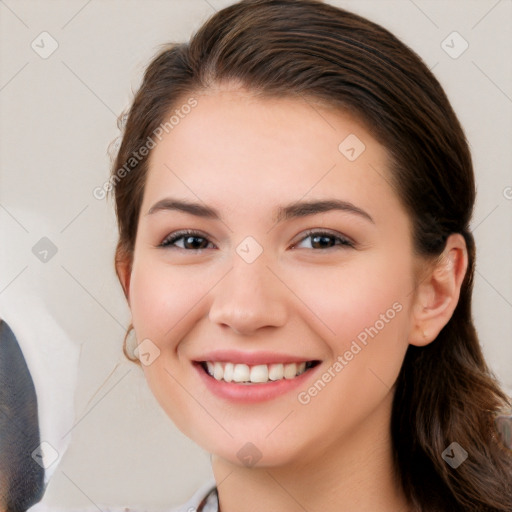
pixel 187 240
pixel 324 240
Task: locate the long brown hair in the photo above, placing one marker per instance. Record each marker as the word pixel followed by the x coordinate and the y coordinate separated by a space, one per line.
pixel 445 392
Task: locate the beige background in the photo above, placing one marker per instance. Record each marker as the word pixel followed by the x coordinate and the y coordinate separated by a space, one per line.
pixel 58 116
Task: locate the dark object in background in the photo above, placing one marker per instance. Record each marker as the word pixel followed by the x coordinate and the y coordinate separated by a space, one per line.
pixel 21 478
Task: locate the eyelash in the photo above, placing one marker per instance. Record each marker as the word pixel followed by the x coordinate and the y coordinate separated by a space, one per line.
pixel 178 235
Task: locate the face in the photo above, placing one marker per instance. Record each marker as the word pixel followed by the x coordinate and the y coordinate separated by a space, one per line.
pixel 273 253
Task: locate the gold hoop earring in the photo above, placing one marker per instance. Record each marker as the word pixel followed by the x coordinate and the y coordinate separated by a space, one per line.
pixel 129 345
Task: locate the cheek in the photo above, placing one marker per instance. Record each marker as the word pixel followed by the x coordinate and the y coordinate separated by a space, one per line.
pixel 349 299
pixel 368 312
pixel 163 300
pixel 165 303
pixel 364 316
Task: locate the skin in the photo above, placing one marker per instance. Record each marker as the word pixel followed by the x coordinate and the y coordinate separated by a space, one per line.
pixel 245 156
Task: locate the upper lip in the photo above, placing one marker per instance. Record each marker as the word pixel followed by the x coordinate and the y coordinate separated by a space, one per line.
pixel 250 358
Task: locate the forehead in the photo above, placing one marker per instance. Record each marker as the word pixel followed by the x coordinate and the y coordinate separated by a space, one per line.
pixel 234 147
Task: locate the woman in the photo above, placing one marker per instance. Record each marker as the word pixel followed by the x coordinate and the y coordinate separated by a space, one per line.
pixel 293 193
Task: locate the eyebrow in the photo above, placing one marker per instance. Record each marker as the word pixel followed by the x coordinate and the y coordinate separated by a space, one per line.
pixel 290 211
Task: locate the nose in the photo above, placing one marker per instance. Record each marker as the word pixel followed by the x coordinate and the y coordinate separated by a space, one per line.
pixel 248 298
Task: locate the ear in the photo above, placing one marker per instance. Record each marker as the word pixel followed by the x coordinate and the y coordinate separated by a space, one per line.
pixel 123 264
pixel 437 293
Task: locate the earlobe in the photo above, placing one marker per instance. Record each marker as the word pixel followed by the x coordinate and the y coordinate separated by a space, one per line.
pixel 438 293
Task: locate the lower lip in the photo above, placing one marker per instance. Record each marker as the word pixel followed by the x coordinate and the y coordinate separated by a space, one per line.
pixel 251 393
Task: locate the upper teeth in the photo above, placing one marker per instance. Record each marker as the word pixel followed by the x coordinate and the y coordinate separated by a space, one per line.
pixel 231 372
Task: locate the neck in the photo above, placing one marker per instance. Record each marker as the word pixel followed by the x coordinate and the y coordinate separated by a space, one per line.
pixel 356 473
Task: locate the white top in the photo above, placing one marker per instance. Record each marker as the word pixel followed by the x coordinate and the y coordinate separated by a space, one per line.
pixel 206 491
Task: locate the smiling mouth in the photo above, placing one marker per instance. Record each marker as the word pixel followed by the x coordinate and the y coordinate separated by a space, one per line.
pixel 256 374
